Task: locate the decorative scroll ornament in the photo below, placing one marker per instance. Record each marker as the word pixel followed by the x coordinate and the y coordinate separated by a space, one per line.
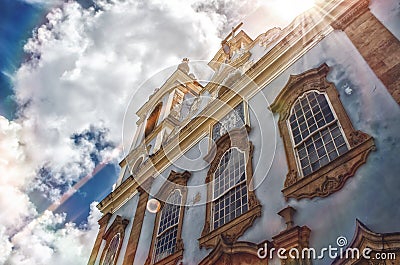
pixel 358 137
pixel 291 178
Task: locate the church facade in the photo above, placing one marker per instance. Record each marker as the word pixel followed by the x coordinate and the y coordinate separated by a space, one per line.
pixel 287 154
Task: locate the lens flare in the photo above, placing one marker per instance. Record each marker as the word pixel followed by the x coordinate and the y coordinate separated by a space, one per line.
pixel 291 8
pixel 153 206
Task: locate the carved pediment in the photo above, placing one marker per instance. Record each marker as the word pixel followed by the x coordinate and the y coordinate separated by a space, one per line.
pixel 118 226
pixel 176 180
pixel 377 242
pixel 226 252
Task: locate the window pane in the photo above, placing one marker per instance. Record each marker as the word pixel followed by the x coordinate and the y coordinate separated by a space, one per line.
pixel 339 141
pixel 170 212
pixel 328 149
pixel 165 244
pixel 168 227
pixel 315 143
pixel 333 155
pixel 229 172
pixel 306 171
pixel 231 200
pixel 329 118
pixel 302 152
pixel 342 149
pixel 309 113
pixel 324 160
pixel 112 250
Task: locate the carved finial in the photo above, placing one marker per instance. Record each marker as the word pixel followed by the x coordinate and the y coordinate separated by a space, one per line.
pixel 287 214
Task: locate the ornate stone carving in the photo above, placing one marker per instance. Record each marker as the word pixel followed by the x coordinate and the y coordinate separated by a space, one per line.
pixel 228 252
pixel 332 176
pixel 358 137
pixel 179 244
pixel 329 185
pixel 234 119
pixel 269 37
pixel 118 226
pixel 291 178
pixel 377 242
pixel 242 57
pixel 253 201
pixel 230 231
pixel 184 65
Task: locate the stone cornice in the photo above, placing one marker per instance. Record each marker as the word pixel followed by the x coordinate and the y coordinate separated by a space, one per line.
pixel 352 13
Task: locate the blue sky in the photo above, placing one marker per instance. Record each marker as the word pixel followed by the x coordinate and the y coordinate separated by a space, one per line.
pixel 17 22
pixel 67 73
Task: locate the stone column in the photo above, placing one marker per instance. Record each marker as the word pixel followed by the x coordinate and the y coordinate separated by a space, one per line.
pixel 378 46
pixel 136 227
pixel 103 224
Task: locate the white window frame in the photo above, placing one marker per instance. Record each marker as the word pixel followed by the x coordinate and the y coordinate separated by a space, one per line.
pixel 231 188
pixel 116 249
pixel 169 227
pixel 294 145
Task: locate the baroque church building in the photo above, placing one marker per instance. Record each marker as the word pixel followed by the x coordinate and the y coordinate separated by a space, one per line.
pixel 290 149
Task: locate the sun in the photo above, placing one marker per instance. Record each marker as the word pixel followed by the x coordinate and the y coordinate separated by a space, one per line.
pixel 289 9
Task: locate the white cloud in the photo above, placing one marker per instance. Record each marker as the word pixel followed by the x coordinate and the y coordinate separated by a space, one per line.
pixel 16 171
pixel 43 241
pixel 5 245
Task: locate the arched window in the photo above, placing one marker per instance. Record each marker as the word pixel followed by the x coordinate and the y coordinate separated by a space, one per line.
pixel 112 250
pixel 167 232
pixel 229 188
pixel 167 244
pixel 322 147
pixel 316 132
pixel 232 205
pixel 152 120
